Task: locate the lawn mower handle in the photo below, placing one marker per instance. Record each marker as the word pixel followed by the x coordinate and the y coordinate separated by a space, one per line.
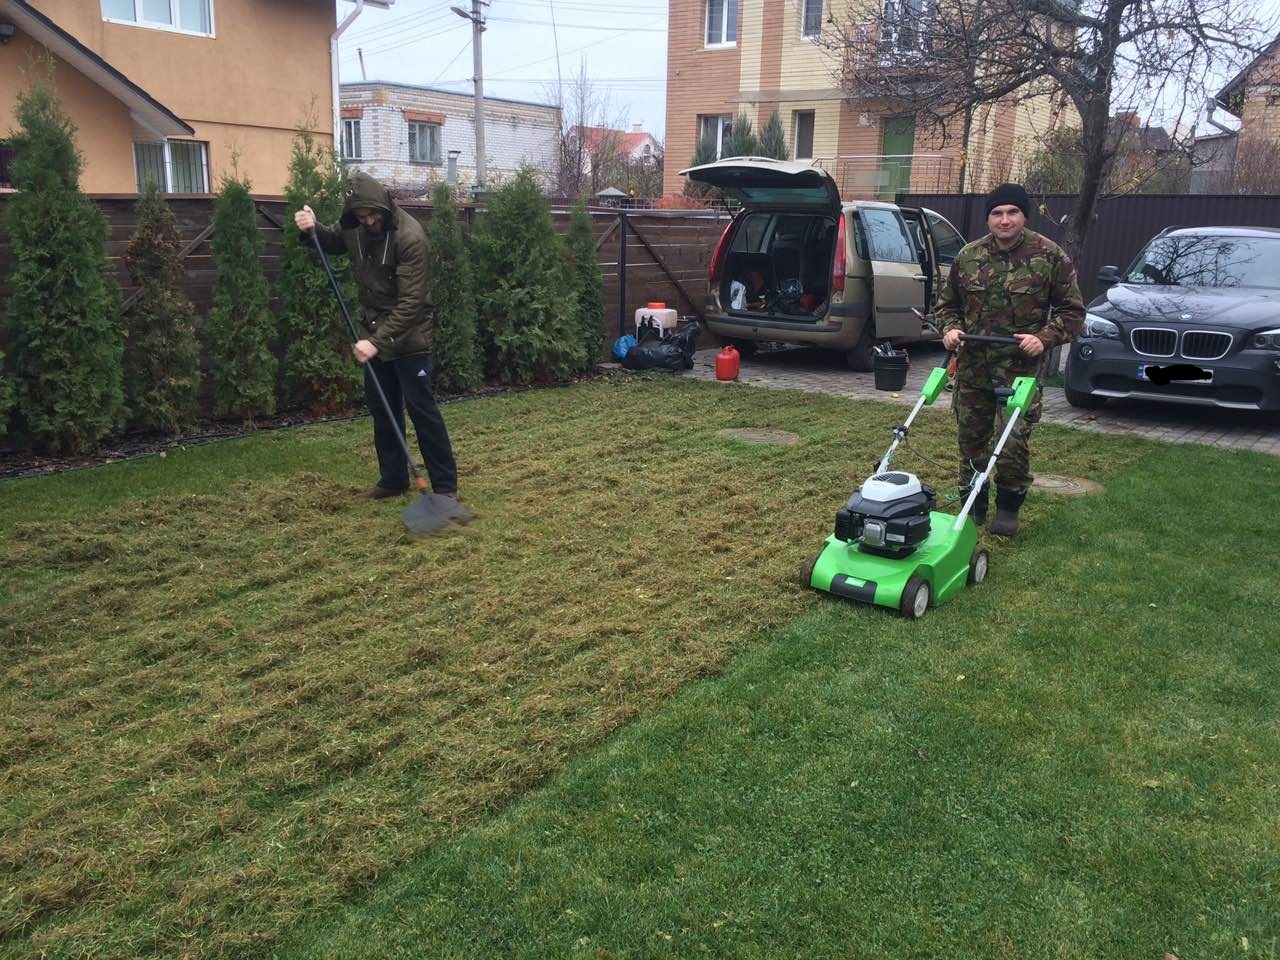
pixel 977 338
pixel 420 482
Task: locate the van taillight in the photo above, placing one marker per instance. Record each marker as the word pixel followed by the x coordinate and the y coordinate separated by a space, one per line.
pixel 718 255
pixel 838 265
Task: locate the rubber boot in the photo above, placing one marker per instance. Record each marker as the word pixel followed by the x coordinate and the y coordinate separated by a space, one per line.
pixel 981 502
pixel 1008 503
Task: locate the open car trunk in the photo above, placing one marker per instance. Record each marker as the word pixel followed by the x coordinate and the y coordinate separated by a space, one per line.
pixel 779 266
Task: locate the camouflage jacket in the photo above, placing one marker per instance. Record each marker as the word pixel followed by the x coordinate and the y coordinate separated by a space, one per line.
pixel 1031 288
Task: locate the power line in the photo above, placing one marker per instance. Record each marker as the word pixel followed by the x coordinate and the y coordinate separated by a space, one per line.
pixel 461 50
pixel 534 63
pixel 578 26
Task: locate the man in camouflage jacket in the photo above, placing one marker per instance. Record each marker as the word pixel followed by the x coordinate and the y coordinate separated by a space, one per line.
pixel 1011 283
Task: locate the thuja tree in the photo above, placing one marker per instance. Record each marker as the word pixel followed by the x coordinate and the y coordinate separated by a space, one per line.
pixel 704 153
pixel 524 293
pixel 6 396
pixel 588 283
pixel 161 360
pixel 773 139
pixel 318 368
pixel 62 322
pixel 455 352
pixel 239 330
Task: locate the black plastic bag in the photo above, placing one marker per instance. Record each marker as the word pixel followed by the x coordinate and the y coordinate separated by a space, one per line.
pixel 673 352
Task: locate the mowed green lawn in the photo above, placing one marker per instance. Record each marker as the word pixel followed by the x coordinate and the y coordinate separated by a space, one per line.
pixel 244 714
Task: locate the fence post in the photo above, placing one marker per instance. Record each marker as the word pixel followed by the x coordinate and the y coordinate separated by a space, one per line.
pixel 622 273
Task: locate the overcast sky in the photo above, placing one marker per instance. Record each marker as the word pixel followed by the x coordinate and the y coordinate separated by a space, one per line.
pixel 622 44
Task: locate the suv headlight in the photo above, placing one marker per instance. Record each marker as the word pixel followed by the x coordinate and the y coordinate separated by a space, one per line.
pixel 1267 340
pixel 1096 327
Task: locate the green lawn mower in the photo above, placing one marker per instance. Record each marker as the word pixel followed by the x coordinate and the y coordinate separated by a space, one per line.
pixel 890 546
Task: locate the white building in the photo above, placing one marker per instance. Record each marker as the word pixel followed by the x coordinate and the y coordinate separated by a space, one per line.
pixel 405 135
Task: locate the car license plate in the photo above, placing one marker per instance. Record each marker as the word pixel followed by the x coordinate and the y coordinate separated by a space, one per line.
pixel 1142 375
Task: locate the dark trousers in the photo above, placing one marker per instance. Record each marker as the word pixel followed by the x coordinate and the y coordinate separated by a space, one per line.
pixel 407 383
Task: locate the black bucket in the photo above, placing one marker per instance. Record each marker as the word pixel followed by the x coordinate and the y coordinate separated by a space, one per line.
pixel 890 370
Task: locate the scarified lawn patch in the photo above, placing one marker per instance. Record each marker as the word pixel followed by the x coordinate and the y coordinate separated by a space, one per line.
pixel 233 696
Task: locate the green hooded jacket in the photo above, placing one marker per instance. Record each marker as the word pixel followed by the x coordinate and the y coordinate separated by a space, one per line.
pixel 390 269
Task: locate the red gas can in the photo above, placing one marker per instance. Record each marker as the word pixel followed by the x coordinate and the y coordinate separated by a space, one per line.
pixel 727 363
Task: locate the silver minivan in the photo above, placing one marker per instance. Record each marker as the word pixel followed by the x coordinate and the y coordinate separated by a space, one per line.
pixel 798 265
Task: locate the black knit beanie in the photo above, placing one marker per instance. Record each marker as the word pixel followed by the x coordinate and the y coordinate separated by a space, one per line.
pixel 1014 193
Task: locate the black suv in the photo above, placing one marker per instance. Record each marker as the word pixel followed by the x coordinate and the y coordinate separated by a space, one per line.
pixel 1195 319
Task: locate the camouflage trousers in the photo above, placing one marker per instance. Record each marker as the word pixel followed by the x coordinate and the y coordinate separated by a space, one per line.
pixel 975 406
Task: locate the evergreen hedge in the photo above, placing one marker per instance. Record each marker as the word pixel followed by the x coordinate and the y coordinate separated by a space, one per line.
pixel 62 321
pixel 525 293
pixel 319 369
pixel 240 326
pixel 455 354
pixel 588 283
pixel 161 360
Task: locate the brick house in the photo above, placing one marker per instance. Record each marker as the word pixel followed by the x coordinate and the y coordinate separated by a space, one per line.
pixel 1253 96
pixel 176 89
pixel 726 56
pixel 407 135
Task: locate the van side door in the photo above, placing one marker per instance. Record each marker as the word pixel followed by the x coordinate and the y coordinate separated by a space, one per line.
pixel 898 286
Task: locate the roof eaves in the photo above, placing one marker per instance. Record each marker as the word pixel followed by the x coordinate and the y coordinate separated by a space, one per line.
pixel 144 108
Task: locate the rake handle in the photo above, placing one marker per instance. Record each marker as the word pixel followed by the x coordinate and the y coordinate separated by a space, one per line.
pixel 355 337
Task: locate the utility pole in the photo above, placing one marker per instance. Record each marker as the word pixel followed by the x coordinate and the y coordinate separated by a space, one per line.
pixel 477 27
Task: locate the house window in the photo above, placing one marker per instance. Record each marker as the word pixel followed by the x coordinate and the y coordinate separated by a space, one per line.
pixel 189 16
pixel 178 166
pixel 900 26
pixel 351 140
pixel 424 142
pixel 722 22
pixel 717 129
pixel 811 18
pixel 804 134
pixel 7 156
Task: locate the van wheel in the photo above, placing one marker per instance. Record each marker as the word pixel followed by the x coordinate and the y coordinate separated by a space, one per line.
pixel 745 348
pixel 859 358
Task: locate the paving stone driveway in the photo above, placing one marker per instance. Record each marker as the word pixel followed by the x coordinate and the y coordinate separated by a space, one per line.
pixel 823 372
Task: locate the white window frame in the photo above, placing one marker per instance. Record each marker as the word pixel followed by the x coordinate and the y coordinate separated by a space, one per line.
pixel 174 15
pixel 416 137
pixel 725 40
pixel 893 16
pixel 167 186
pixel 724 130
pixel 807 9
pixel 350 138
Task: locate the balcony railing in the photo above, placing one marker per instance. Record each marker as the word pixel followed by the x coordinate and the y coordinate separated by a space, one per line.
pixel 880 176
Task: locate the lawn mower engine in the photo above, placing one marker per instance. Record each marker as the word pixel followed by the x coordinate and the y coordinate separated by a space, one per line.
pixel 889 516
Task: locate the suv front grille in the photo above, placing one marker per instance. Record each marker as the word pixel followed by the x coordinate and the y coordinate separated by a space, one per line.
pixel 1205 344
pixel 1155 341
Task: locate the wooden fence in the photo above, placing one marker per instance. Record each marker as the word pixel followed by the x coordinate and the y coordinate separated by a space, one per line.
pixel 644 255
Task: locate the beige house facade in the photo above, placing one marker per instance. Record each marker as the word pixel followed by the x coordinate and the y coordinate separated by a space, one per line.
pixel 183 90
pixel 757 56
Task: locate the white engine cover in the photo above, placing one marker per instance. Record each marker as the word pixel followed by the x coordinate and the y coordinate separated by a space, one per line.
pixel 891 485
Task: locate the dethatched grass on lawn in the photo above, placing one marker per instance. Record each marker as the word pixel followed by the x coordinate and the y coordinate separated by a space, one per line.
pixel 232 695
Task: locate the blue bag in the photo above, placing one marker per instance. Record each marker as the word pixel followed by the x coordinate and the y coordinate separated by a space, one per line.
pixel 622 346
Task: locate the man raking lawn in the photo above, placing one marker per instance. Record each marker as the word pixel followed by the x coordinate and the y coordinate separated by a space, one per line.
pixel 890 546
pixel 431 512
